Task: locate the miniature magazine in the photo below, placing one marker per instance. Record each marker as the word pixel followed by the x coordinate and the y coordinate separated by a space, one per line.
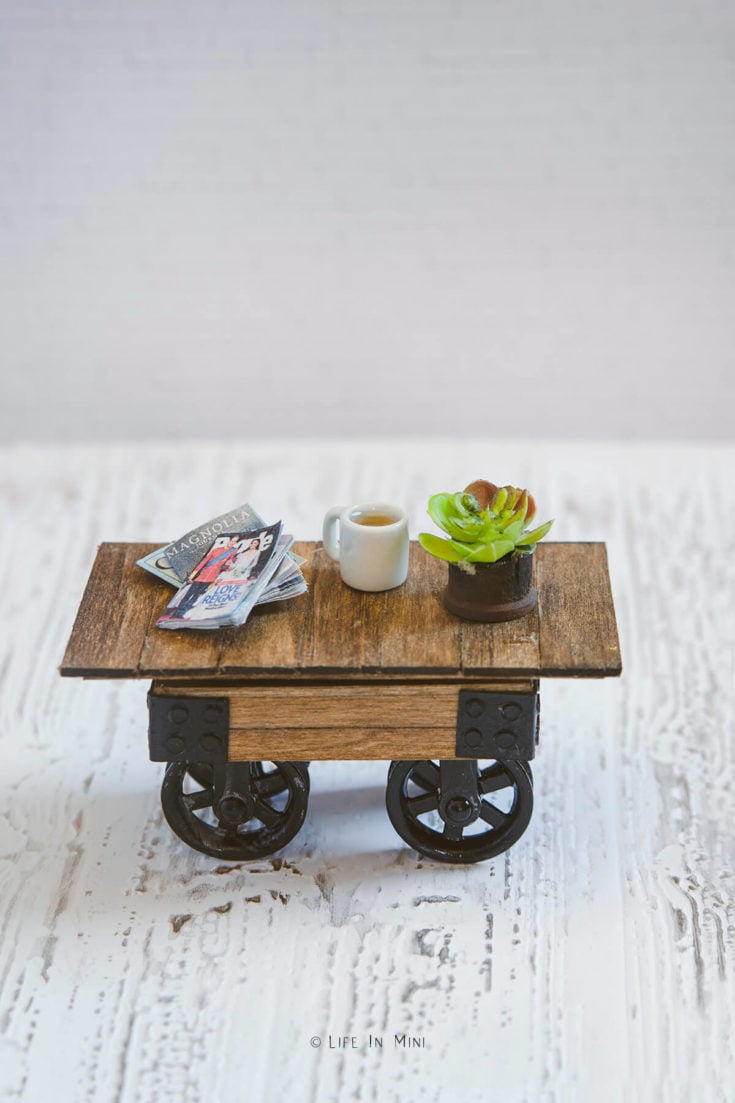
pixel 228 579
pixel 174 562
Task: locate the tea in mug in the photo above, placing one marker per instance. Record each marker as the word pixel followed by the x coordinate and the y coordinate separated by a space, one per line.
pixel 374 519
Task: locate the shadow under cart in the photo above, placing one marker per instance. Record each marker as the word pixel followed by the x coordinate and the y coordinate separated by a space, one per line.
pixel 240 717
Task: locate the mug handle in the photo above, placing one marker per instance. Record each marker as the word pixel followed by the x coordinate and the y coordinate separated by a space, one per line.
pixel 329 538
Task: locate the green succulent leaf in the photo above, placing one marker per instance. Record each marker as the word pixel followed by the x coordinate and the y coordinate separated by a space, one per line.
pixel 519 513
pixel 514 494
pixel 491 528
pixel 437 506
pixel 439 547
pixel 513 530
pixel 443 514
pixel 464 548
pixel 501 497
pixel 491 553
pixel 448 512
pixel 467 503
pixel 535 535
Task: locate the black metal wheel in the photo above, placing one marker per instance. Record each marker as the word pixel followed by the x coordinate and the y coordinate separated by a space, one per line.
pixel 237 810
pixel 460 810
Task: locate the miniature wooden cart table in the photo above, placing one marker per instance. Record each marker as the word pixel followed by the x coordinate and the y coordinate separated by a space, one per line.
pixel 239 714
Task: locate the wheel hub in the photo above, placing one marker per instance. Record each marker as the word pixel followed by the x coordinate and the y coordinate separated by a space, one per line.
pixel 233 810
pixel 459 809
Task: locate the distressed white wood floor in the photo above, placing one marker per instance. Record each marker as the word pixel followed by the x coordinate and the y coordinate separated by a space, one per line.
pixel 594 961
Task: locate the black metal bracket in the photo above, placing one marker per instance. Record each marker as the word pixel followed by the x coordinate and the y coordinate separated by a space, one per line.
pixel 188 729
pixel 492 724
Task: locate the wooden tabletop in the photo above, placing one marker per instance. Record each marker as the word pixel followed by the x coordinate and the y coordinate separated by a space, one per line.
pixel 334 631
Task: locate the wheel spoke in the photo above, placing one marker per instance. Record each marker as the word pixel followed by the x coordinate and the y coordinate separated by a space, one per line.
pixel 493 778
pixel 427 802
pixel 492 815
pixel 426 775
pixel 266 783
pixel 201 799
pixel 453 832
pixel 267 815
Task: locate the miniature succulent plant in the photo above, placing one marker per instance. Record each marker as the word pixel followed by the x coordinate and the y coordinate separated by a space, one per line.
pixel 484 523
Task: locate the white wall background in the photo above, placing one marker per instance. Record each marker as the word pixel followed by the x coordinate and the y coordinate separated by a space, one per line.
pixel 346 216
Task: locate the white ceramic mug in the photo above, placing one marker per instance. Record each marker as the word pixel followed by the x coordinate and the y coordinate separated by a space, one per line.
pixel 372 545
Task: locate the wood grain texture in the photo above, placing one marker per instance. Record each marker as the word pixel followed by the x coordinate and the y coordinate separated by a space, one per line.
pixel 417 633
pixel 379 706
pixel 358 744
pixel 576 618
pixel 593 961
pixel 274 635
pixel 509 644
pixel 339 631
pixel 114 616
pixel 341 626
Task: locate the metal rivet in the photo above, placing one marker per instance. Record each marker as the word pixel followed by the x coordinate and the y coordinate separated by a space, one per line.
pixel 506 740
pixel 474 707
pixel 209 741
pixel 212 713
pixel 178 714
pixel 473 737
pixel 511 711
pixel 175 743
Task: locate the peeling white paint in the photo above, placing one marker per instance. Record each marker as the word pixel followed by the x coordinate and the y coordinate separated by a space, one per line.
pixel 592 961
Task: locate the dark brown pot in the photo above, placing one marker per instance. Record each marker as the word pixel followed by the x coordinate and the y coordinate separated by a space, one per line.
pixel 495 592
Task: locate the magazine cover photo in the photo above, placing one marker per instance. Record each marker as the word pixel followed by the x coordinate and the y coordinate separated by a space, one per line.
pixel 226 582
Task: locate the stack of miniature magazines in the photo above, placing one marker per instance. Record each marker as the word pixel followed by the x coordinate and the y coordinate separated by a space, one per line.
pixel 223 569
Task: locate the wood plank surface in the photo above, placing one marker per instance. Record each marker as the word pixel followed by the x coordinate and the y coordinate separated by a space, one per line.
pixel 577 629
pixel 168 652
pixel 344 707
pixel 114 615
pixel 342 627
pixel 341 744
pixel 417 633
pixel 508 645
pixel 274 635
pixel 334 630
pixel 386 705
